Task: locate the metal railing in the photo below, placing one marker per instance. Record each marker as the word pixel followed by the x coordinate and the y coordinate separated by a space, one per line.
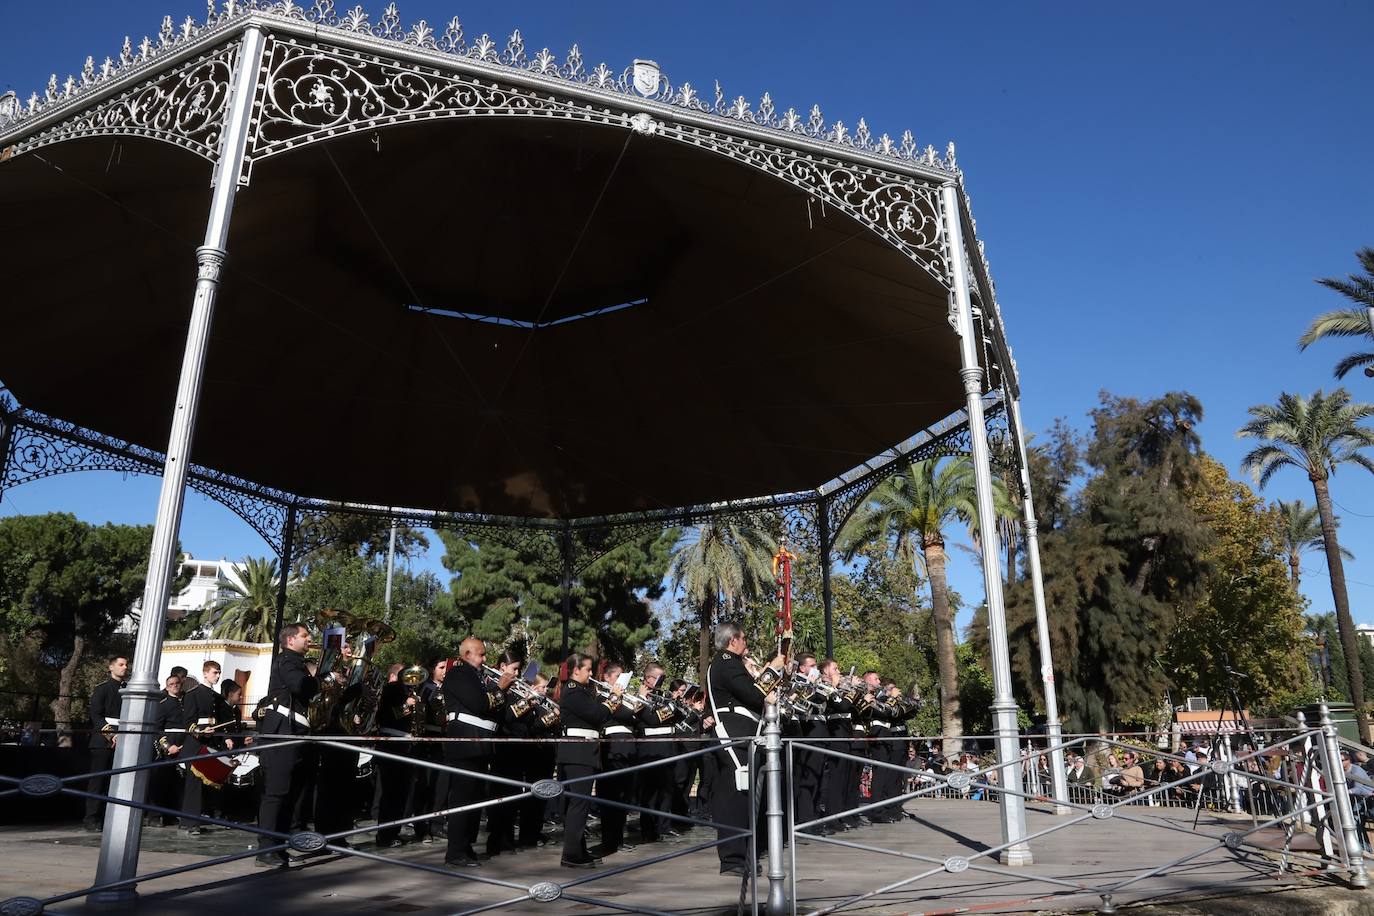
pixel 1292 784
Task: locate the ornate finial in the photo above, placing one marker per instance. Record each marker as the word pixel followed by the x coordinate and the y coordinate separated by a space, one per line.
pixel 33 102
pixel 188 28
pixel 230 8
pixel 107 69
pixel 420 35
pixel 515 49
pixel 908 150
pixel 740 108
pixel 791 120
pixel 930 154
pixel 88 71
pixel 839 134
pixel 483 48
pixel 767 113
pixel 601 76
pixel 390 26
pixel 68 87
pixel 209 11
pixel 145 48
pixel 126 53
pixel 52 87
pixel 544 62
pixel 950 162
pixel 164 34
pixel 720 98
pixel 323 11
pixel 572 68
pixel 355 20
pixel 862 136
pixel 452 39
pixel 687 96
pixel 816 123
pixel 885 146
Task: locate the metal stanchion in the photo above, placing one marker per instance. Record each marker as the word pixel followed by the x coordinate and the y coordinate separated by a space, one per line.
pixel 777 825
pixel 1350 831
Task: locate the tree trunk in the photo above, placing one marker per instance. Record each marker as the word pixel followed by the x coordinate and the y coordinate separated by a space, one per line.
pixel 1294 566
pixel 951 717
pixel 1009 533
pixel 1345 624
pixel 708 619
pixel 62 705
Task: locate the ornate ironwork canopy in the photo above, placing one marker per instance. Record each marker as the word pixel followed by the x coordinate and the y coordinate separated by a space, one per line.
pixel 511 288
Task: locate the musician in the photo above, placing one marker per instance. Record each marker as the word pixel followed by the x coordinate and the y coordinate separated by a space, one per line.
pixel 431 786
pixel 537 762
pixel 737 703
pixel 396 711
pixel 199 705
pixel 469 702
pixel 619 751
pixel 584 712
pixel 336 803
pixel 884 716
pixel 506 760
pixel 841 772
pixel 658 720
pixel 807 765
pixel 289 690
pixel 104 708
pixel 894 750
pixel 165 790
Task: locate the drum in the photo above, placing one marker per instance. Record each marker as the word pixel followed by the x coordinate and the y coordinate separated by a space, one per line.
pixel 213 771
pixel 246 773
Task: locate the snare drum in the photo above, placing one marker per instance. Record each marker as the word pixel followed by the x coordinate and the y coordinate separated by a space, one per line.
pixel 246 773
pixel 213 771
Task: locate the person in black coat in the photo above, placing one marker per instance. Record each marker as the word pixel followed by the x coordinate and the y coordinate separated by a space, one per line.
pixel 470 703
pixel 618 752
pixel 658 720
pixel 105 704
pixel 396 711
pixel 808 765
pixel 431 786
pixel 583 715
pixel 200 705
pixel 285 713
pixel 840 772
pixel 737 703
pixel 164 787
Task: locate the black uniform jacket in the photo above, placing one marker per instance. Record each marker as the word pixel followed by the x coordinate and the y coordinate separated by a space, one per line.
pixel 581 709
pixel 290 688
pixel 466 694
pixel 198 705
pixel 839 711
pixel 432 704
pixel 659 724
pixel 393 715
pixel 730 689
pixel 104 711
pixel 171 723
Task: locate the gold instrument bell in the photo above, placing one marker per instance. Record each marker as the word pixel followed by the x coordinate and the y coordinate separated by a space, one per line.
pixel 414 676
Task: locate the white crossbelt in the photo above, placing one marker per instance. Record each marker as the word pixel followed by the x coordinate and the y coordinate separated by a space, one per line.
pixel 170 730
pixel 290 714
pixel 742 711
pixel 655 732
pixel 473 720
pixel 109 721
pixel 835 717
pixel 618 730
pixel 581 733
pixel 880 722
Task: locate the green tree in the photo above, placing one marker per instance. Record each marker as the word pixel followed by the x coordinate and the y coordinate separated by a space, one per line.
pixel 1352 322
pixel 909 512
pixel 496 584
pixel 1316 436
pixel 77 582
pixel 1300 530
pixel 1250 615
pixel 720 567
pixel 249 612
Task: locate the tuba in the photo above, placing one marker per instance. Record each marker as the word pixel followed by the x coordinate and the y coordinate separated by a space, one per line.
pixel 326 698
pixel 366 680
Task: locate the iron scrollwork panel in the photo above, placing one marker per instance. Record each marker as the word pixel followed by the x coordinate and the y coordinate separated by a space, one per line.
pixel 184 106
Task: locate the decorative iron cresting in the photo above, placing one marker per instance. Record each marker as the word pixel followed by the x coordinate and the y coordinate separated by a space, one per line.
pixel 633 84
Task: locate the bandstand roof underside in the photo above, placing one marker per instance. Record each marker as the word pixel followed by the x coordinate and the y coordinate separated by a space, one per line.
pixel 520 317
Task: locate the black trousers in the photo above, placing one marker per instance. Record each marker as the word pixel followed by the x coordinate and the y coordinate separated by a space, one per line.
pixel 429 791
pixel 618 788
pixel 192 798
pixel 395 778
pixel 464 788
pixel 501 818
pixel 101 758
pixel 807 767
pixel 282 780
pixel 841 784
pixel 336 801
pixel 730 808
pixel 655 790
pixel 536 764
pixel 575 814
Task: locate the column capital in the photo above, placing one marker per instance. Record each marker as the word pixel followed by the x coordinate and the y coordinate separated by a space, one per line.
pixel 210 260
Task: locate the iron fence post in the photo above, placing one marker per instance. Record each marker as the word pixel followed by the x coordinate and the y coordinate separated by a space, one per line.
pixel 777 825
pixel 1012 805
pixel 1350 830
pixel 119 845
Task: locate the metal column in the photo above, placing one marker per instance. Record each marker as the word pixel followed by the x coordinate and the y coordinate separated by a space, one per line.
pixel 288 547
pixel 1345 814
pixel 823 529
pixel 1013 807
pixel 777 825
pixel 138 717
pixel 565 547
pixel 1042 625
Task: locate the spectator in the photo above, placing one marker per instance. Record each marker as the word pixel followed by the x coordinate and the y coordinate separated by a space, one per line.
pixel 1361 788
pixel 1079 773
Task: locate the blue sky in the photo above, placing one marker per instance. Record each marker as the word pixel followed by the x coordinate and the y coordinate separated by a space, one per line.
pixel 1157 185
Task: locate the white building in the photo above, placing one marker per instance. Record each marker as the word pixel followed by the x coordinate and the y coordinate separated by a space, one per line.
pixel 209 584
pixel 248 663
pixel 1365 631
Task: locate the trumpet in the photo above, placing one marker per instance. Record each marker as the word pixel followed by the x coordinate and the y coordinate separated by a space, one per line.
pixel 529 698
pixel 607 692
pixel 413 677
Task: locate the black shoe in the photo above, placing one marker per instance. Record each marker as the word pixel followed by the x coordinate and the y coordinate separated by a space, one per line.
pixel 580 863
pixel 191 831
pixel 390 844
pixel 463 862
pixel 673 832
pixel 865 821
pixel 741 871
pixel 278 860
pixel 600 851
pixel 92 825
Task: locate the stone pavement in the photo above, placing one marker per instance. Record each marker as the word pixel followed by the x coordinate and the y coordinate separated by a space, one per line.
pixel 44 862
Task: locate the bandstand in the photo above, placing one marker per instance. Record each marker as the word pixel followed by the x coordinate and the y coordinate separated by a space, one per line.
pixel 462 283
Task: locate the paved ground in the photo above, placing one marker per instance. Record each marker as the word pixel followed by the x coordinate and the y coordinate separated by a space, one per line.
pixel 1070 865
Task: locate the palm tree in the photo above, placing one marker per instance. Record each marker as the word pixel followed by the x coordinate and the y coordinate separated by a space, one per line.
pixel 719 565
pixel 1353 322
pixel 250 610
pixel 1300 530
pixel 1315 436
pixel 909 511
